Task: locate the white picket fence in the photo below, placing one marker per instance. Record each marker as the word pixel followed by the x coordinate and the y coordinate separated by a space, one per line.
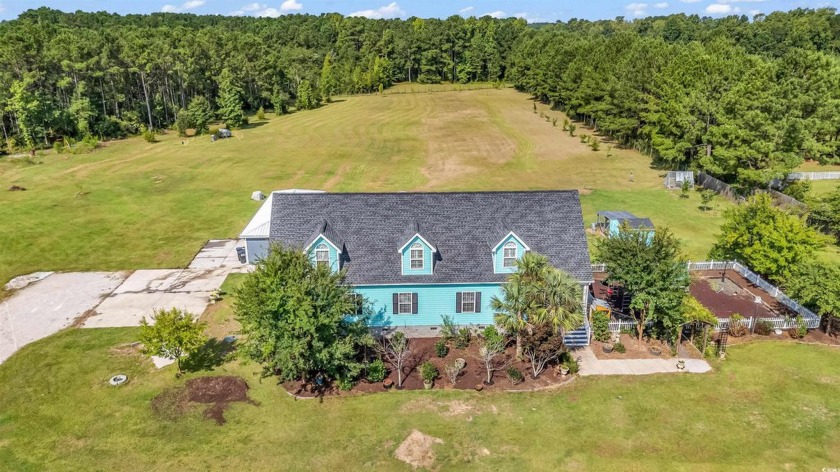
pixel 813 176
pixel 724 323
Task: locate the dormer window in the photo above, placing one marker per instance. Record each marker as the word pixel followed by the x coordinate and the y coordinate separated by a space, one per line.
pixel 416 256
pixel 509 257
pixel 322 255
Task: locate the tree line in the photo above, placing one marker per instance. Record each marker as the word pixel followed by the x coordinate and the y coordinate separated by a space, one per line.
pixel 745 100
pixel 72 75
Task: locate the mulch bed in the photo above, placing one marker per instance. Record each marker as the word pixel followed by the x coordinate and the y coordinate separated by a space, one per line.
pixel 423 349
pixel 631 343
pixel 215 392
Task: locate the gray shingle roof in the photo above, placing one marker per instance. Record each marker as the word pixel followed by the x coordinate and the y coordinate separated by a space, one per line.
pixel 373 227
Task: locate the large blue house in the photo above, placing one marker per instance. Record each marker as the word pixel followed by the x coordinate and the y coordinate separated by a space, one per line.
pixel 415 257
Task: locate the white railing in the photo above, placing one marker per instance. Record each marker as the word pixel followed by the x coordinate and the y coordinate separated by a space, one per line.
pixel 813 176
pixel 599 267
pixel 617 326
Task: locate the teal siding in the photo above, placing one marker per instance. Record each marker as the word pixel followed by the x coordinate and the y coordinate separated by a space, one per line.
pixel 427 259
pixel 433 301
pixel 334 263
pixel 498 256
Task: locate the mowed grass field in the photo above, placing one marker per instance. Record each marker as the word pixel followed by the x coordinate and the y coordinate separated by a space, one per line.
pixel 135 204
pixel 769 406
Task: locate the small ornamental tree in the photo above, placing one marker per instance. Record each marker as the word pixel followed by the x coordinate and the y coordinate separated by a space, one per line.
pixel 294 319
pixel 396 350
pixel 491 352
pixel 174 335
pixel 541 346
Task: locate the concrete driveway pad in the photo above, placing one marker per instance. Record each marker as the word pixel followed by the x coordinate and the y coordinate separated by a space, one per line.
pixel 127 309
pixel 50 305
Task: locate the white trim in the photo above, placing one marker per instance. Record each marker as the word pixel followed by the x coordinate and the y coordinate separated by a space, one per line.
pixel 321 236
pixel 416 235
pixel 505 257
pixel 412 259
pixel 327 249
pixel 473 292
pixel 410 303
pixel 496 247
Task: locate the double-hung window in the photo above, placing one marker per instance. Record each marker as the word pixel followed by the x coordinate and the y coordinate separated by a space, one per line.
pixel 322 255
pixel 404 303
pixel 468 302
pixel 509 256
pixel 416 256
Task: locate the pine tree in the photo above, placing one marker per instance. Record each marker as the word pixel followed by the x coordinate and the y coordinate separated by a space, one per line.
pixel 328 80
pixel 306 98
pixel 230 101
pixel 200 114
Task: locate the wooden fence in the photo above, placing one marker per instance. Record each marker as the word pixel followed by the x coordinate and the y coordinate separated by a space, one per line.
pixel 707 181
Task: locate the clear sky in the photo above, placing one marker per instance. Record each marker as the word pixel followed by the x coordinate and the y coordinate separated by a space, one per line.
pixel 532 10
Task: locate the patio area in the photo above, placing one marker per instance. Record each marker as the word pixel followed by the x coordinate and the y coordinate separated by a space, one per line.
pixel 591 365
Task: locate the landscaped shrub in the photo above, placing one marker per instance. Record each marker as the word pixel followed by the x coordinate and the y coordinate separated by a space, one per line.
pixel 453 370
pixel 619 348
pixel 428 371
pixel 514 375
pixel 737 329
pixel 569 361
pixel 149 136
pixel 345 385
pixel 601 326
pixel 441 349
pixel 800 330
pixel 763 328
pixel 462 341
pixel 376 371
pixel 448 329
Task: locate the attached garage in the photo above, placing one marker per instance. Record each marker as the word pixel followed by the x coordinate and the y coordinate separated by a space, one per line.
pixel 255 233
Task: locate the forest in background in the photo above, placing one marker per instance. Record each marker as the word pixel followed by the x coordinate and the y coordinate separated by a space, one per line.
pixel 745 100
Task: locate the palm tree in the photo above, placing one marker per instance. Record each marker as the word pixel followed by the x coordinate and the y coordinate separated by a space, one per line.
pixel 512 308
pixel 559 301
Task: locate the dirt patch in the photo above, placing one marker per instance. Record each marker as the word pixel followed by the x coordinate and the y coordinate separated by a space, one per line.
pixel 416 450
pixel 216 392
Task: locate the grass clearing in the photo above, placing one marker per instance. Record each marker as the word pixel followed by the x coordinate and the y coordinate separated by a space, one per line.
pixel 771 405
pixel 135 204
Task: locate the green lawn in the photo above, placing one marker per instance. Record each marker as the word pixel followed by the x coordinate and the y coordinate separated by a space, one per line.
pixel 139 205
pixel 821 188
pixel 771 406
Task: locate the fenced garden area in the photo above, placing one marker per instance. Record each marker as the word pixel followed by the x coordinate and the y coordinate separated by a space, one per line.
pixel 714 287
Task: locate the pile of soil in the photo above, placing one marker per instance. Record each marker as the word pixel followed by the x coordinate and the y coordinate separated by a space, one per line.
pixel 216 392
pixel 422 350
pixel 17 188
pixel 631 343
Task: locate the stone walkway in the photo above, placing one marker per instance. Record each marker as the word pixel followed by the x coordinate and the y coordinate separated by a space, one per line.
pixel 591 365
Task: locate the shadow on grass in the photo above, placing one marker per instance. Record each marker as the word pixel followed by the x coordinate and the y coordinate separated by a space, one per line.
pixel 213 354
